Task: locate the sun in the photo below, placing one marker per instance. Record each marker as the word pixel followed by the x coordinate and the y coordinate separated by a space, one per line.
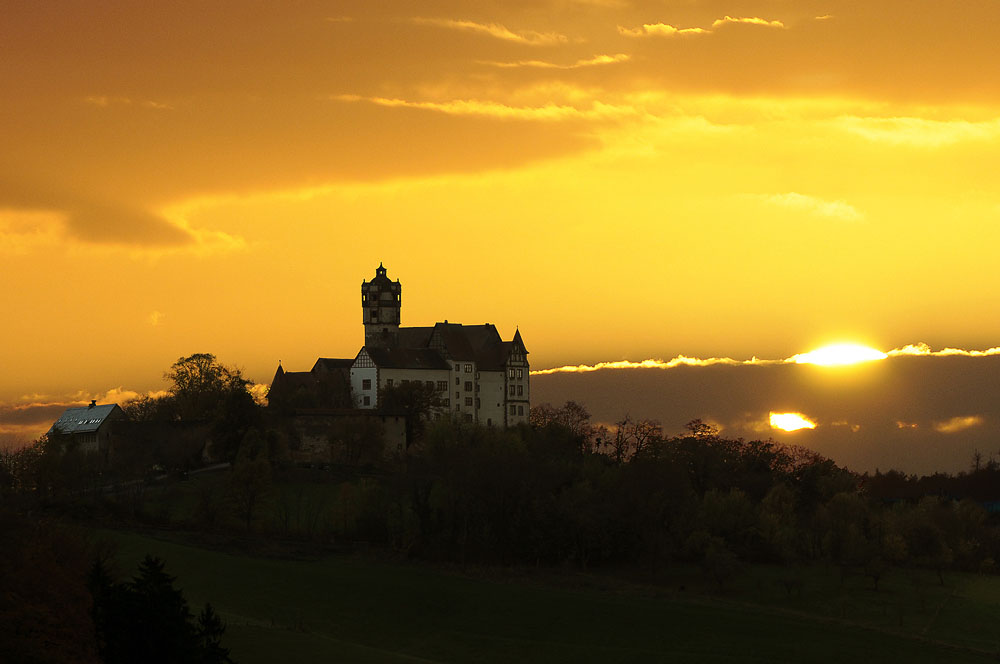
pixel 837 355
pixel 791 421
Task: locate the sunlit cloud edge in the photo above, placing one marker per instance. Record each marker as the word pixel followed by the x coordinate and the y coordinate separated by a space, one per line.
pixel 910 350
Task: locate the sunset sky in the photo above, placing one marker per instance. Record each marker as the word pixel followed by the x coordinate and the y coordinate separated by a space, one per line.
pixel 620 180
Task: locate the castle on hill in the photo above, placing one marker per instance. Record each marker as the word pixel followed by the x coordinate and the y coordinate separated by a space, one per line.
pixel 474 373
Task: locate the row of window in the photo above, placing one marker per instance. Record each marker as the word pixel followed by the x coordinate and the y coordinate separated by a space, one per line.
pixel 516 410
pixel 515 373
pixel 468 367
pixel 441 385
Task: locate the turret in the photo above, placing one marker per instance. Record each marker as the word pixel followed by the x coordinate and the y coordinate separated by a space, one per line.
pixel 380 304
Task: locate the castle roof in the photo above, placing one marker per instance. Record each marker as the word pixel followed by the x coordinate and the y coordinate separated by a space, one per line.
pixel 332 364
pixel 408 358
pixel 381 280
pixel 432 347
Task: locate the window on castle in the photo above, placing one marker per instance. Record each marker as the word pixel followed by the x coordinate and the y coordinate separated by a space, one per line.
pixel 468 401
pixel 368 401
pixel 478 405
pixel 468 368
pixel 429 383
pixel 366 384
pixel 520 373
pixel 511 390
pixel 520 410
pixel 468 386
pixel 520 390
pixel 442 386
pixel 513 409
pixel 458 381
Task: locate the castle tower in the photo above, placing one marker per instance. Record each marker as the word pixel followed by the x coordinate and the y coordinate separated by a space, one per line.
pixel 380 303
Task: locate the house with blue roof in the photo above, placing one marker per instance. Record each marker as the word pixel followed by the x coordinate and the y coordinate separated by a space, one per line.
pixel 87 428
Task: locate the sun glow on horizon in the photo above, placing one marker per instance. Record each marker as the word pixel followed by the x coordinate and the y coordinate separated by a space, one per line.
pixel 791 421
pixel 836 355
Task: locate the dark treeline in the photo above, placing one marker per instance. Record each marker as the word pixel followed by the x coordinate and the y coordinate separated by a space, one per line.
pixel 981 483
pixel 563 491
pixel 558 491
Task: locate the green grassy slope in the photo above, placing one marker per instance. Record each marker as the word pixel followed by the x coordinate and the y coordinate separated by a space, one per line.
pixel 341 609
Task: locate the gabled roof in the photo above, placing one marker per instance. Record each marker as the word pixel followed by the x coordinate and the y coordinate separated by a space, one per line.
pixel 332 364
pixel 414 337
pixel 494 357
pixel 85 419
pixel 407 358
pixel 465 342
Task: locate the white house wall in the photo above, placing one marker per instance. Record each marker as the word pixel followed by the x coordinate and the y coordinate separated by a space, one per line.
pixel 491 398
pixel 359 376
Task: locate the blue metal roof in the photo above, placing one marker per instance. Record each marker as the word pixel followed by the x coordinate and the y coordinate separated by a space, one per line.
pixel 85 419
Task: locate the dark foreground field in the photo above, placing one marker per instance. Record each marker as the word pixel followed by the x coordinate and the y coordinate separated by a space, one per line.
pixel 346 609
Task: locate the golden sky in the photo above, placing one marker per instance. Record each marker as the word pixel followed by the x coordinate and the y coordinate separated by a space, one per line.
pixel 621 180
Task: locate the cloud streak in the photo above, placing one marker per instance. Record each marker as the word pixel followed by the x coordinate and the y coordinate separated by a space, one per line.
pixel 747 20
pixel 595 61
pixel 667 30
pixel 958 424
pixel 910 350
pixel 814 206
pixel 475 107
pixel 660 30
pixel 920 132
pixel 496 30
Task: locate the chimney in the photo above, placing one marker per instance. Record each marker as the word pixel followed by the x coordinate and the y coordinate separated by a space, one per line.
pixel 93 402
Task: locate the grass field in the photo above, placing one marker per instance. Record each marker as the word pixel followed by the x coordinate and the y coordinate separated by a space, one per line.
pixel 352 610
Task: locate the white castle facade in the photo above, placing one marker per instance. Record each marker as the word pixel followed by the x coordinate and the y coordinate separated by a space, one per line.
pixel 475 375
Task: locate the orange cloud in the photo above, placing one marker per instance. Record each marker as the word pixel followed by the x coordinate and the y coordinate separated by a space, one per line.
pixel 920 132
pixel 667 30
pixel 548 112
pixel 749 20
pixel 814 206
pixel 104 101
pixel 923 350
pixel 918 349
pixel 542 64
pixel 660 29
pixel 22 231
pixel 957 424
pixel 496 30
pixel 679 361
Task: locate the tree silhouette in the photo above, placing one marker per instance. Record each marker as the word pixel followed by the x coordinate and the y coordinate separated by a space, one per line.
pixel 148 620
